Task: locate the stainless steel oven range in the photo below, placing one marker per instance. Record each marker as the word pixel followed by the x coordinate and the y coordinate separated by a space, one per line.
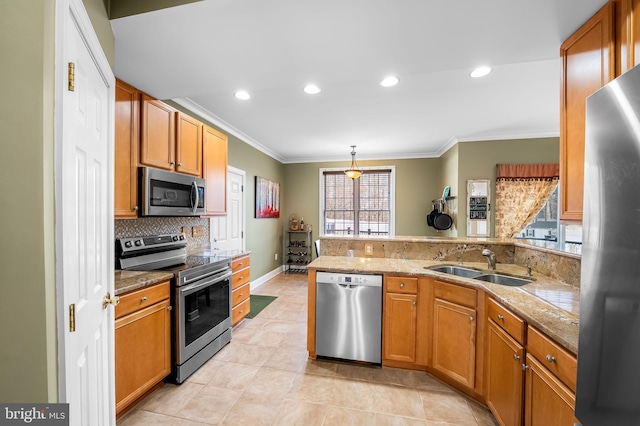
pixel 201 296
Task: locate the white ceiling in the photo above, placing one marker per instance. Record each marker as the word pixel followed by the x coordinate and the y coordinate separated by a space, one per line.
pixel 201 53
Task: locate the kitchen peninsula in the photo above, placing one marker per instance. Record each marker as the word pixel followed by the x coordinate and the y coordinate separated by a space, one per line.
pixel 506 346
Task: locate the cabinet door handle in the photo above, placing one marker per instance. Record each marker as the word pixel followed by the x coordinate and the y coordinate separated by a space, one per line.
pixel 516 357
pixel 144 299
pixel 401 285
pixel 551 358
pixel 180 164
pixel 525 367
pixel 500 317
pixel 414 303
pixel 470 318
pixel 136 207
pixel 172 163
pixel 169 308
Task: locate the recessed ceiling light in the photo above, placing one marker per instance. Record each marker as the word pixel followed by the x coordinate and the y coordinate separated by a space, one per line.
pixel 480 72
pixel 241 94
pixel 389 81
pixel 311 89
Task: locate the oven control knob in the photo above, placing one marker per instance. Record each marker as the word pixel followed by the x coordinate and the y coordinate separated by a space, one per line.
pixel 175 238
pixel 181 237
pixel 138 243
pixel 128 244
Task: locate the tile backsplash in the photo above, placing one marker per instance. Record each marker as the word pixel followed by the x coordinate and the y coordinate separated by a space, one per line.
pixel 145 226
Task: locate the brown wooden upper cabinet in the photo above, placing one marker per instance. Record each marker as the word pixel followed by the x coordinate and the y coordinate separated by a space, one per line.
pixel 188 145
pixel 169 140
pixel 587 65
pixel 605 46
pixel 214 170
pixel 158 134
pixel 127 132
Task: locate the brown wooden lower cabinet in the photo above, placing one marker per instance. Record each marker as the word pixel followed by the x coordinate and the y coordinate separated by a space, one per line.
pixel 548 402
pixel 400 322
pixel 505 376
pixel 142 343
pixel 240 289
pixel 454 341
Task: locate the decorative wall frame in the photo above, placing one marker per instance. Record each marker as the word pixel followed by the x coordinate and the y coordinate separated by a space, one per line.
pixel 267 199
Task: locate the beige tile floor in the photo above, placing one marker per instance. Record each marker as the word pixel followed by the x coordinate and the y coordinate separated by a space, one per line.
pixel 264 377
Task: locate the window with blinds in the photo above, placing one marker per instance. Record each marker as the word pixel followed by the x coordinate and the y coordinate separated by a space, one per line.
pixel 362 206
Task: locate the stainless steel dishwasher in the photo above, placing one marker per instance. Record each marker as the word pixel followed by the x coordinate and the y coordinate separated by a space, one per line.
pixel 349 316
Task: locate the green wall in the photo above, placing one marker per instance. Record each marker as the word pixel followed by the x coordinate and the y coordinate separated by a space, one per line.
pixel 264 236
pixel 27 303
pixel 477 160
pixel 417 183
pixel 121 8
pixel 449 177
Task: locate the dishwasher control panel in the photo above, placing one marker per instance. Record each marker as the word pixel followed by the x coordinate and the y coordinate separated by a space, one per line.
pixel 352 279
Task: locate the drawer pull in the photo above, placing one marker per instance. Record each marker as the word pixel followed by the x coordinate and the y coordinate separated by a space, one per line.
pixel 500 317
pixel 516 357
pixel 551 358
pixel 241 311
pixel 401 285
pixel 144 299
pixel 241 294
pixel 240 264
pixel 240 277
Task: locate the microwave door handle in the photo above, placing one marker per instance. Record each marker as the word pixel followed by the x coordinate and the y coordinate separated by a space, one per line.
pixel 194 187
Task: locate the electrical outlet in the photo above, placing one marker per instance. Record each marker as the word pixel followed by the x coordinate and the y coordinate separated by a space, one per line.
pixel 186 230
pixel 198 231
pixel 368 249
pixel 276 257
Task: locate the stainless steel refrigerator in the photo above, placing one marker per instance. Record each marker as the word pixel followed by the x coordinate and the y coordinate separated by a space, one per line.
pixel 608 386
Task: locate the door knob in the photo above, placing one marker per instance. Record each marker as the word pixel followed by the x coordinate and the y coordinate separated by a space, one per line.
pixel 108 300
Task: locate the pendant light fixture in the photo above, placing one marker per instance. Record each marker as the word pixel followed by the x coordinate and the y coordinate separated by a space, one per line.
pixel 353 172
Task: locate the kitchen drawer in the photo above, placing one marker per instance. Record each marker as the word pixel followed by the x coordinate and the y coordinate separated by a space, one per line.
pixel 455 293
pixel 507 320
pixel 240 278
pixel 142 298
pixel 402 285
pixel 240 311
pixel 241 263
pixel 555 358
pixel 240 294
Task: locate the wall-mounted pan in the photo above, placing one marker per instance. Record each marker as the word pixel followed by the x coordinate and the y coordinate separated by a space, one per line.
pixel 431 216
pixel 442 222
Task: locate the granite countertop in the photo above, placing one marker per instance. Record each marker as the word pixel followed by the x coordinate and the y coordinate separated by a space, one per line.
pixel 550 306
pixel 127 281
pixel 233 254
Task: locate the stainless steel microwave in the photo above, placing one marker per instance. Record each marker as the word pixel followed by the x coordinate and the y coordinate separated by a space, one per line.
pixel 166 193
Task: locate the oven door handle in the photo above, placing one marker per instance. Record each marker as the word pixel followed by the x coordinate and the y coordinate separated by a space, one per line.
pixel 197 286
pixel 218 271
pixel 194 188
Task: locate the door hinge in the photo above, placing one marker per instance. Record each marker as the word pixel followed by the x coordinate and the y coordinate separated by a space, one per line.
pixel 72 317
pixel 72 76
pixel 241 188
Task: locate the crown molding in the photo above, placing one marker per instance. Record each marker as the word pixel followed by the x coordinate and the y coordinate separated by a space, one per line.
pixel 214 119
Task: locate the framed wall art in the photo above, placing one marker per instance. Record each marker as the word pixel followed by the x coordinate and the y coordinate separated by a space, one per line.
pixel 267 198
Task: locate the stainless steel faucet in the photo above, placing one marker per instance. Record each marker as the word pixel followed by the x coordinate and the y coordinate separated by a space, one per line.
pixel 461 258
pixel 491 258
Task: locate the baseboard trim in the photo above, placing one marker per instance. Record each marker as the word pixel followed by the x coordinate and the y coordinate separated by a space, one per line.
pixel 266 277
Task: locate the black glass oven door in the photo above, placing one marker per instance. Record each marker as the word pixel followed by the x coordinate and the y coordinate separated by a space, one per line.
pixel 204 312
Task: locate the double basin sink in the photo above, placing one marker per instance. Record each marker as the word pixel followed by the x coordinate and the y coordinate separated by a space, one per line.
pixel 479 275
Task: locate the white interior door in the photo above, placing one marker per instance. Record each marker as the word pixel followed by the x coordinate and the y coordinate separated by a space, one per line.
pixel 84 220
pixel 227 232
